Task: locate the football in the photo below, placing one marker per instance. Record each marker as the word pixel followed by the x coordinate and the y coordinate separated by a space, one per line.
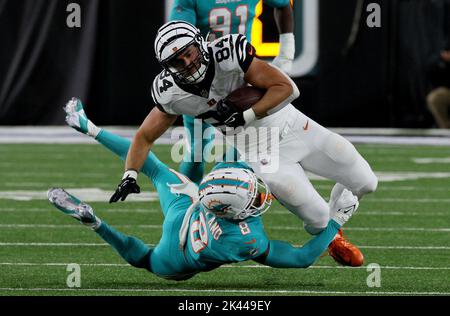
pixel 244 98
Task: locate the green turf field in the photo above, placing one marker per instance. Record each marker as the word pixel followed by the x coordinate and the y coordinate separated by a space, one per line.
pixel 404 227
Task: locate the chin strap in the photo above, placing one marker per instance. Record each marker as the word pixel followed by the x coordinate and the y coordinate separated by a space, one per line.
pixel 191 190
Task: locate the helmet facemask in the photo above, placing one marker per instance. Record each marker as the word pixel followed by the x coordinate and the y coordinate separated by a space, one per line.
pixel 260 199
pixel 188 74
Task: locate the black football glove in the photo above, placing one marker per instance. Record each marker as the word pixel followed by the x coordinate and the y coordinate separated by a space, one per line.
pixel 127 185
pixel 230 114
pixel 225 113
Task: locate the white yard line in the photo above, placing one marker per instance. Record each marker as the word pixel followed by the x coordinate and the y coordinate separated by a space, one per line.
pixel 431 160
pixel 388 229
pixel 282 212
pixel 381 229
pixel 395 229
pixel 65 135
pixel 246 291
pixel 383 187
pixel 85 194
pixel 388 187
pixel 53 244
pixel 406 200
pixel 226 266
pixel 52 210
pixel 100 195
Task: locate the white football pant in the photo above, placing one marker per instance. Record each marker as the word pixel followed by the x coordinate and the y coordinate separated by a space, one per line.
pixel 307 146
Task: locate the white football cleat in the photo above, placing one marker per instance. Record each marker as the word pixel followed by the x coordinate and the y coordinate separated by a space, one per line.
pixel 72 206
pixel 343 206
pixel 77 119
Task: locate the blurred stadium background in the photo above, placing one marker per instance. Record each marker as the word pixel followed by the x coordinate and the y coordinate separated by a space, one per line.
pixel 368 83
pixel 352 75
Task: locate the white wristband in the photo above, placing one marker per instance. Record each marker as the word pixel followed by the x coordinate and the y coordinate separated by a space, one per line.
pixel 130 173
pixel 249 116
pixel 287 45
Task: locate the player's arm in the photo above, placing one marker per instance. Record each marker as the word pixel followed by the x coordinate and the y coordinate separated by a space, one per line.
pixel 154 125
pixel 281 90
pixel 281 254
pixel 184 10
pixel 284 18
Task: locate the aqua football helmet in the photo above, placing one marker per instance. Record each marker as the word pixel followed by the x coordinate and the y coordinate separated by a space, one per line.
pixel 234 193
pixel 179 38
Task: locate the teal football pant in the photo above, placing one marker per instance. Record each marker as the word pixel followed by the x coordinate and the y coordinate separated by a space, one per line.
pixel 193 164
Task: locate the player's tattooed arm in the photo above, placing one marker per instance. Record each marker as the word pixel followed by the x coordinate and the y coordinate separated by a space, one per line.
pixel 281 90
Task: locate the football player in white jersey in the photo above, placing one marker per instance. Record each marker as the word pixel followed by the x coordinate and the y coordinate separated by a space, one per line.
pixel 198 75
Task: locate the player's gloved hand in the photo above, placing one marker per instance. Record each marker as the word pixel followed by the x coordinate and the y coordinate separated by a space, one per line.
pixel 287 51
pixel 228 114
pixel 126 186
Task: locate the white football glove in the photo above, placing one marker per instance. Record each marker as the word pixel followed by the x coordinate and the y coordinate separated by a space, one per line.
pixel 343 207
pixel 286 54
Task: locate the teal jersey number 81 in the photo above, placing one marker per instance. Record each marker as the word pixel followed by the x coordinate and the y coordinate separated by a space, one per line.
pixel 220 17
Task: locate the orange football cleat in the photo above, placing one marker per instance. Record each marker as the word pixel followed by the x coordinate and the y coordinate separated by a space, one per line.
pixel 344 252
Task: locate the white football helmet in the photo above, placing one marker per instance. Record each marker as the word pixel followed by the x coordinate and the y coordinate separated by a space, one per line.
pixel 173 39
pixel 234 193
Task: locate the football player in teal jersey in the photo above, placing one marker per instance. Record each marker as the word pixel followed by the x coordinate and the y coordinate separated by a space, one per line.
pixel 204 226
pixel 219 18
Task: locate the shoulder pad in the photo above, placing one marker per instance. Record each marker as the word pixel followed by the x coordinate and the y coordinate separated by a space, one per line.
pixel 233 52
pixel 162 90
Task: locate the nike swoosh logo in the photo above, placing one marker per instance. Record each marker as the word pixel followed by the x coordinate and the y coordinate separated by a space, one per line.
pixel 305 128
pixel 348 209
pixel 250 242
pixel 230 120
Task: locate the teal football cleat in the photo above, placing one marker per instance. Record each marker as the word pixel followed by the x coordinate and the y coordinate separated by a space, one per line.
pixel 72 206
pixel 77 119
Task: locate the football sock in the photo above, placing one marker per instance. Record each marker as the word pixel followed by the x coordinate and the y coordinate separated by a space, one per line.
pixel 92 129
pixel 120 145
pixel 117 144
pixel 133 250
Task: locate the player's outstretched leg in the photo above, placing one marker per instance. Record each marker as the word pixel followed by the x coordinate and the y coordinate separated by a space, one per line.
pixel 193 164
pixel 78 120
pixel 133 250
pixel 159 173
